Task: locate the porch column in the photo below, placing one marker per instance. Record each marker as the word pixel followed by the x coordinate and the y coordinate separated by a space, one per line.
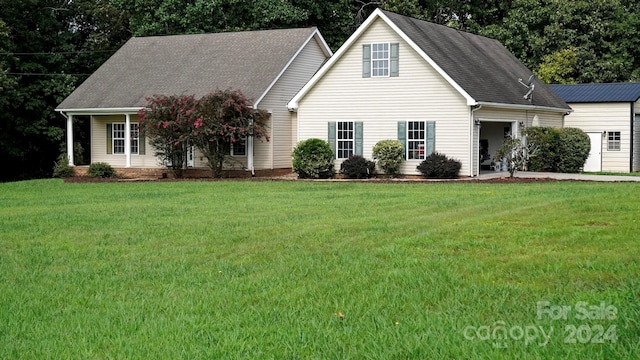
pixel 250 154
pixel 70 139
pixel 127 140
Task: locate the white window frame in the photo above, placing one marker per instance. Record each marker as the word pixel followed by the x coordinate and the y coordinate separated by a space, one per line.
pixel 614 141
pixel 416 146
pixel 345 139
pixel 134 140
pixel 380 64
pixel 233 145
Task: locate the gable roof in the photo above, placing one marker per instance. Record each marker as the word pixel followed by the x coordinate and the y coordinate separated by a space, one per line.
pixel 191 65
pixel 597 93
pixel 481 69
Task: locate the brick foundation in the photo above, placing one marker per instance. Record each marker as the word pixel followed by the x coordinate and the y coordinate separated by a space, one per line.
pixel 156 173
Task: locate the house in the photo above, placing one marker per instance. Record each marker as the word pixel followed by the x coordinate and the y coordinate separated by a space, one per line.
pixel 268 66
pixel 432 87
pixel 610 115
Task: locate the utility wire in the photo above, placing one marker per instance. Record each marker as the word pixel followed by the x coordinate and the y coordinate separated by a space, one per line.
pixel 40 74
pixel 56 53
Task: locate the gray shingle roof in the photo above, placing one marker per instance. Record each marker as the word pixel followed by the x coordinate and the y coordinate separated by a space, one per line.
pixel 483 67
pixel 188 65
pixel 580 93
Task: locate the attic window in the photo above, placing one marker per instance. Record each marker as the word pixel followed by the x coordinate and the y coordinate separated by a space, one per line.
pixel 380 60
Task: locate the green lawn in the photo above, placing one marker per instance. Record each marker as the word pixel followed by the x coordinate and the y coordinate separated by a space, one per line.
pixel 263 270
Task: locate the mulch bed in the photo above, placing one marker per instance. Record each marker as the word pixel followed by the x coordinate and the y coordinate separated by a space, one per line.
pixel 500 180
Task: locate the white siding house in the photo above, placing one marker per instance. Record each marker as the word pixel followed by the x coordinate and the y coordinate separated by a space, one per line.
pixel 432 87
pixel 269 67
pixel 610 115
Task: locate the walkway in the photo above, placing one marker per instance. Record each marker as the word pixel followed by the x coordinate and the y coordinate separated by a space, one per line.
pixel 561 176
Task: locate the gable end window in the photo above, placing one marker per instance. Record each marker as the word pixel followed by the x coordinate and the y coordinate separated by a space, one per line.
pixel 613 141
pixel 380 60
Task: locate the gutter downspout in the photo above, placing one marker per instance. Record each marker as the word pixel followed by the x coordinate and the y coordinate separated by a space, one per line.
pixel 472 129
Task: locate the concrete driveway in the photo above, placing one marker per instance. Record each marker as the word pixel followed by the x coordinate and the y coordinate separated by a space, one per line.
pixel 561 176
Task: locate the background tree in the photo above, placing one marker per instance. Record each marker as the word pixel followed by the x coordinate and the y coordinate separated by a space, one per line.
pixel 603 33
pixel 225 117
pixel 47 47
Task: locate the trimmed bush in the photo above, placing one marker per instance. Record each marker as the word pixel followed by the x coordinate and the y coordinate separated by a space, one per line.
pixel 558 150
pixel 357 167
pixel 313 159
pixel 389 154
pixel 101 170
pixel 574 150
pixel 439 166
pixel 62 169
pixel 547 142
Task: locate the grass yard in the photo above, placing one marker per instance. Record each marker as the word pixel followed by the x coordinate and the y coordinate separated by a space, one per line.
pixel 303 270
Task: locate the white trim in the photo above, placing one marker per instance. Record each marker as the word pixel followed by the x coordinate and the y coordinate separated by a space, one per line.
pixel 250 155
pixel 325 48
pixel 127 140
pixel 102 111
pixel 70 139
pixel 293 104
pixel 525 107
pixel 474 144
pixel 496 120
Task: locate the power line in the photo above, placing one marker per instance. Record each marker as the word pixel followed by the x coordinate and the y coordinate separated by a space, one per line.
pixel 56 53
pixel 40 74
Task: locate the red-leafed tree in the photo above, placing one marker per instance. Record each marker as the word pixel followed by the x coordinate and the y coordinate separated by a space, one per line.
pixel 212 124
pixel 225 117
pixel 167 121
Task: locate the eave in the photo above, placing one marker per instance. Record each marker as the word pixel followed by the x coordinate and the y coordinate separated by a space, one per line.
pixel 101 111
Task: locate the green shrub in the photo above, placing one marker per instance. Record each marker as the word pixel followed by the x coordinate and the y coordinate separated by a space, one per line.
pixel 558 150
pixel 574 150
pixel 101 170
pixel 357 167
pixel 313 159
pixel 439 166
pixel 62 169
pixel 547 142
pixel 389 154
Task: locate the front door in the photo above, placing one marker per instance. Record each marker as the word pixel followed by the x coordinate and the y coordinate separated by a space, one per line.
pixel 594 161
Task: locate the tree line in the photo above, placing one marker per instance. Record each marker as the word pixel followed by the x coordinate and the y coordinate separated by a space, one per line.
pixel 48 47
